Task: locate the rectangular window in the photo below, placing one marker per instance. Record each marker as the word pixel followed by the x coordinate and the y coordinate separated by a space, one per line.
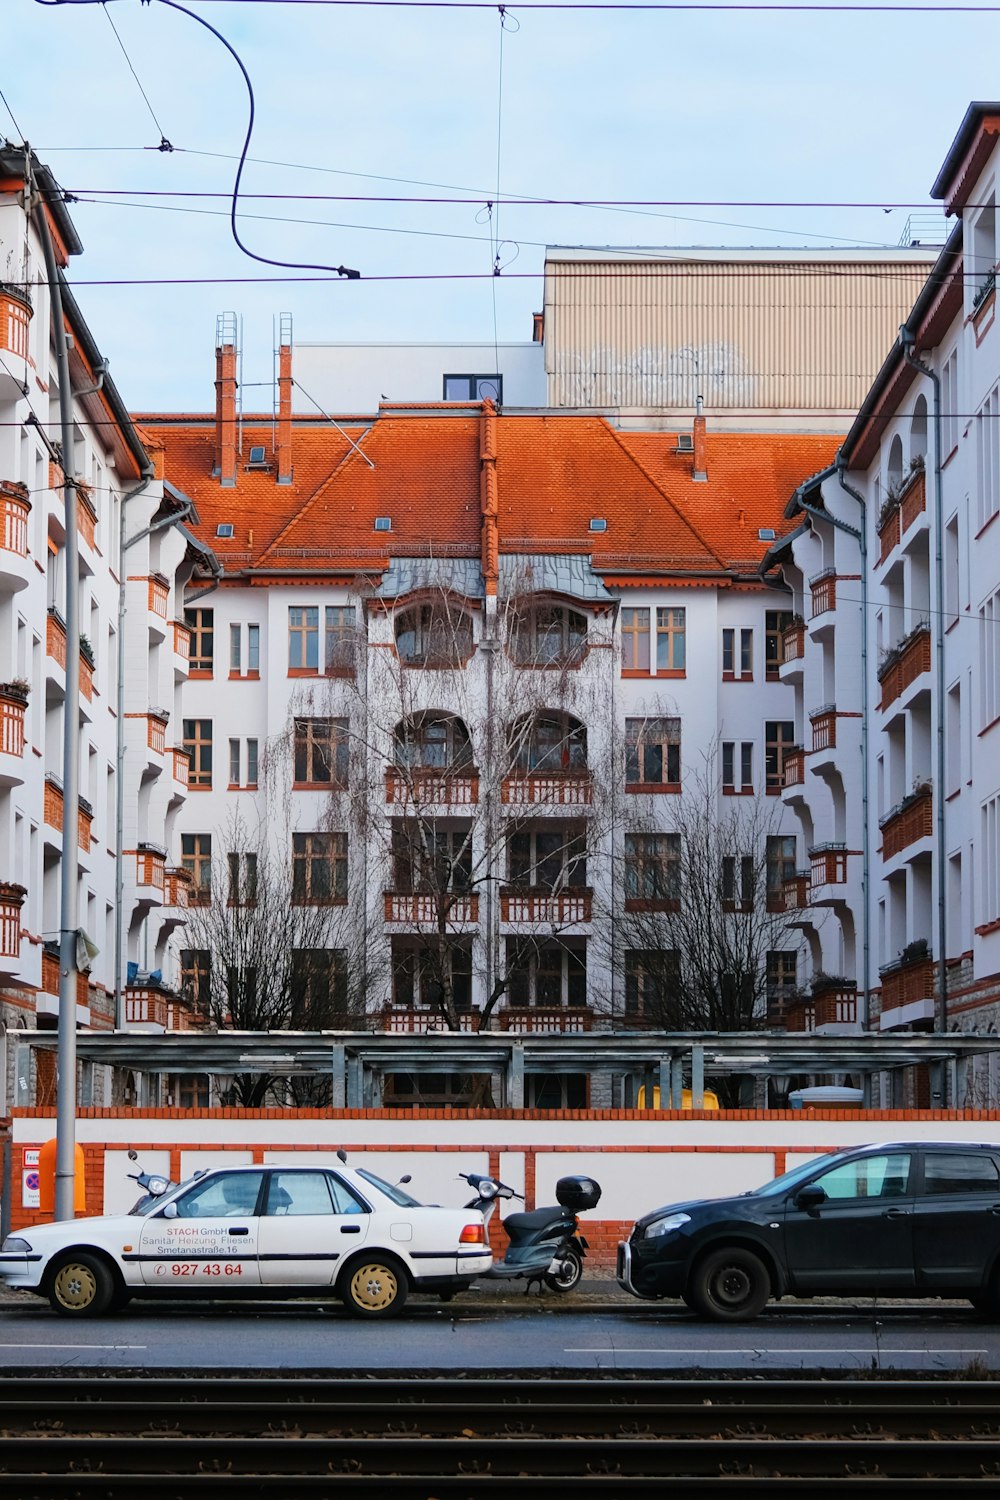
pixel 652 978
pixel 235 634
pixel 653 754
pixel 780 861
pixel 318 987
pixel 776 622
pixel 781 978
pixel 196 977
pixel 652 871
pixel 319 869
pixel 196 858
pixel 989 660
pixel 670 653
pixel 949 404
pixel 421 975
pixel 303 638
pixel 548 975
pixel 474 388
pixel 989 862
pixel 234 763
pixel 435 859
pixel 988 459
pixel 737 767
pixel 738 882
pixel 635 640
pixel 253 649
pixel 251 763
pixel 779 738
pixel 322 752
pixel 341 639
pixel 549 856
pixel 198 744
pixel 737 654
pixel 242 879
pixel 201 623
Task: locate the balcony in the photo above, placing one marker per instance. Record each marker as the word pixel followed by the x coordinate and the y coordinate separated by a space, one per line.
pixel 835 1004
pixel 13 706
pixel 799 1014
pixel 181 762
pixel 559 909
pixel 534 1019
pixel 823 723
pixel 11 900
pixel 84 823
pixel 182 641
pixel 150 867
pixel 823 592
pixel 86 517
pixel 423 908
pixel 156 730
pixel 158 594
pixel 15 315
pixel 905 663
pixel 424 787
pixel 50 983
pixel 55 638
pixel 908 990
pixel 146 1006
pixel 400 1020
pixel 793 767
pixel 52 812
pixel 552 789
pixel 827 865
pixel 912 500
pixel 908 822
pixel 177 886
pixel 888 529
pixel 86 674
pixel 793 642
pixel 796 890
pixel 15 507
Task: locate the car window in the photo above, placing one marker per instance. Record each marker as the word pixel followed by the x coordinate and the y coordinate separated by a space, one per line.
pixel 229 1195
pixel 391 1190
pixel 346 1200
pixel 952 1172
pixel 868 1177
pixel 291 1193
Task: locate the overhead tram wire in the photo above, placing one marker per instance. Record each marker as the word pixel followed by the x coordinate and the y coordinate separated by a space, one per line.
pixel 164 142
pixel 781 7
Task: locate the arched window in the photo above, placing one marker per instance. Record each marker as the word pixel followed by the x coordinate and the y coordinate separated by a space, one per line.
pixel 545 633
pixel 549 742
pixel 918 431
pixel 432 742
pixel 434 635
pixel 894 468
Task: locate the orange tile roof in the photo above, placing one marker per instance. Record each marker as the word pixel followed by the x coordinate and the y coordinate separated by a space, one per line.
pixel 554 475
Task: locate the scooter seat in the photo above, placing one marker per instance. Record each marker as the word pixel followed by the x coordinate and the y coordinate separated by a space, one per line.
pixel 538 1218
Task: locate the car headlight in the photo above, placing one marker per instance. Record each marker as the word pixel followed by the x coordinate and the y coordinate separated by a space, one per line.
pixel 13 1243
pixel 666 1226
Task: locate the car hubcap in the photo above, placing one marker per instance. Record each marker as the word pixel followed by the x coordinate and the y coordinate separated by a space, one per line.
pixel 732 1286
pixel 75 1286
pixel 373 1287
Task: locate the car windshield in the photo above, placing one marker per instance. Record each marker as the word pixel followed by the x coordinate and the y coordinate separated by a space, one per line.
pixel 788 1179
pixel 394 1194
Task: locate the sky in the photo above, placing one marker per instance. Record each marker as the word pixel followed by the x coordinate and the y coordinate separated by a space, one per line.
pixel 733 109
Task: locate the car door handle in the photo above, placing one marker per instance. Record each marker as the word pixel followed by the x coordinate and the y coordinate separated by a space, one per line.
pixel 239 1231
pixel 350 1228
pixel 896 1213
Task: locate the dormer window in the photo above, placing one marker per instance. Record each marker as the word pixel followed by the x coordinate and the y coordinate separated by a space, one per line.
pixel 383 523
pixel 225 530
pixel 547 634
pixel 598 523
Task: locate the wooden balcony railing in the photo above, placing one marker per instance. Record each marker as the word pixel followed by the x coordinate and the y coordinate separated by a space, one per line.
pixel 823 593
pixel 181 762
pixel 159 594
pixel 177 887
pixel 793 643
pixel 531 1018
pixel 182 640
pixel 823 723
pixel 150 867
pixel 55 639
pixel 562 907
pixel 796 890
pixel 548 789
pixel 156 732
pixel 827 864
pixel 423 907
pixel 450 788
pixel 86 516
pixel 904 983
pixel 12 711
pixel 15 507
pixel 11 900
pixel 145 1006
pixel 904 825
pixel 794 766
pixel 910 659
pixel 400 1019
pixel 913 500
pixel 15 315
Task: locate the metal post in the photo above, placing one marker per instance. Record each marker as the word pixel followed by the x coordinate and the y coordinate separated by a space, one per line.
pixel 69 915
pixel 515 1076
pixel 677 1083
pixel 338 1081
pixel 697 1077
pixel 663 1070
pixel 354 1081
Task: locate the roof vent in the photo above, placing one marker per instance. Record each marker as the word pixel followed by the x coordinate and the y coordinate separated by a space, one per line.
pixel 225 529
pixel 598 523
pixel 685 443
pixel 765 533
pixel 383 523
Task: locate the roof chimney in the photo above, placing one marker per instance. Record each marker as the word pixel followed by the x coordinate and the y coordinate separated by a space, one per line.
pixel 699 470
pixel 225 399
pixel 285 401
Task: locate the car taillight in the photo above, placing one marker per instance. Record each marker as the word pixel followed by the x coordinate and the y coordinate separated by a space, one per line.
pixel 473 1234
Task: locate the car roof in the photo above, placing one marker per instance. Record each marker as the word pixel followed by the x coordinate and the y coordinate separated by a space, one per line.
pixel 920 1146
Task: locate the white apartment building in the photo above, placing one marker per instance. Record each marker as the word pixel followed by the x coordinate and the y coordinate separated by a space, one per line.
pixel 894 658
pixel 133 554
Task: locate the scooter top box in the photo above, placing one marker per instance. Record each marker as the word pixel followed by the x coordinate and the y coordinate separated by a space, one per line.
pixel 577 1193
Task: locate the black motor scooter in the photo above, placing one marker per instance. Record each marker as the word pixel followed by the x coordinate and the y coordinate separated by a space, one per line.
pixel 546 1245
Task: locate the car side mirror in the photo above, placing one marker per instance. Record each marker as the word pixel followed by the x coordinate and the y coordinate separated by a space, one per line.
pixel 810 1197
pixel 169 1211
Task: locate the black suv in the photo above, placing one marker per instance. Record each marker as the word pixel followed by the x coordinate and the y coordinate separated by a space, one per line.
pixel 914 1219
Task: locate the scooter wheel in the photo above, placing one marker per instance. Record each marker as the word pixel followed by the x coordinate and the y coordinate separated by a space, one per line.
pixel 567 1278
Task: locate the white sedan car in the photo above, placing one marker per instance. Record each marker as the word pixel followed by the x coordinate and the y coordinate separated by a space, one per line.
pixel 255 1231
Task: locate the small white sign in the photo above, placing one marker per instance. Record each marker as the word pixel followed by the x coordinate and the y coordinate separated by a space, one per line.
pixel 32 1155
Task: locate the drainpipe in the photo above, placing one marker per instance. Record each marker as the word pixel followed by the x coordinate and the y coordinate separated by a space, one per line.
pixel 859 537
pixel 907 342
pixel 148 475
pixel 69 893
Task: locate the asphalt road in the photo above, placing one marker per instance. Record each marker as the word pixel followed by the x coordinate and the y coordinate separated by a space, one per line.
pixel 603 1330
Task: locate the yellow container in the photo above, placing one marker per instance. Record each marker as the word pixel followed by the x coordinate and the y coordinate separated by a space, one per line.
pixel 711 1100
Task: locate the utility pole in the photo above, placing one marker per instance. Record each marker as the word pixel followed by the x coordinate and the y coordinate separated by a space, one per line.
pixel 69 912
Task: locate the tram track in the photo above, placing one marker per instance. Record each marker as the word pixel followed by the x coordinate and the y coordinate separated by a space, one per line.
pixel 494 1434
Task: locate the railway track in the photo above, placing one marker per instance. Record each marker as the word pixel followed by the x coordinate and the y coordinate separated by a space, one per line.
pixel 493 1435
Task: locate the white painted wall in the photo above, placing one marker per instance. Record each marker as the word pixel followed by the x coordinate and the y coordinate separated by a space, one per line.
pixel 354 378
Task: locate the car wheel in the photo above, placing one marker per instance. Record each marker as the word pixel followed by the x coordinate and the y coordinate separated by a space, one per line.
pixel 374 1286
pixel 730 1285
pixel 567 1278
pixel 81 1286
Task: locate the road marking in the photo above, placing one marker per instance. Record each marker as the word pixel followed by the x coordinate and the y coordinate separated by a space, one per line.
pixel 76 1346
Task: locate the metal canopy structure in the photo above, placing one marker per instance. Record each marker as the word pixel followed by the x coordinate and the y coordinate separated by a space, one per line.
pixel 358 1062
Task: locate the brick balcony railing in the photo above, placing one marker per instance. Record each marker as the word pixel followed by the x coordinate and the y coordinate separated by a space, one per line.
pixel 156 732
pixel 423 907
pixel 888 533
pixel 910 659
pixel 794 766
pixel 15 507
pixel 145 1005
pixel 11 900
pixel 904 825
pixel 823 592
pixel 86 677
pixel 827 864
pixel 397 1018
pixel 450 788
pixel 796 890
pixel 182 640
pixel 158 595
pixel 551 789
pixel 52 812
pixel 15 315
pixel 86 516
pixel 50 979
pixel 904 983
pixel 84 823
pixel 150 866
pixel 563 907
pixel 177 887
pixel 913 500
pixel 800 1014
pixel 55 639
pixel 793 643
pixel 12 711
pixel 823 723
pixel 835 1007
pixel 181 762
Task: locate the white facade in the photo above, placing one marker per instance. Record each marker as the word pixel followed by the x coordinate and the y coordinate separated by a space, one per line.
pixel 356 378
